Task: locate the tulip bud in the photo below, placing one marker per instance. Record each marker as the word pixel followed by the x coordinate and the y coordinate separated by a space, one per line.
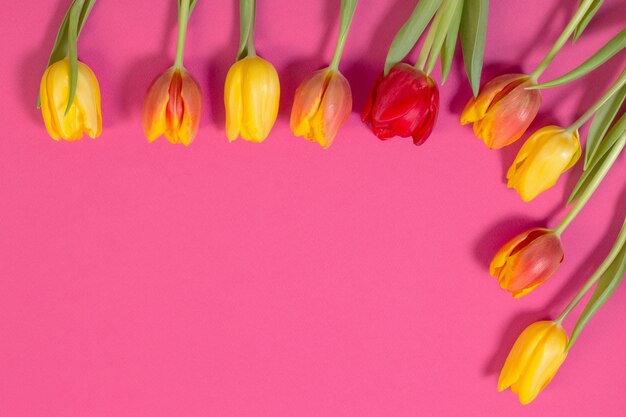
pixel 527 261
pixel 503 110
pixel 534 359
pixel 322 104
pixel 251 97
pixel 547 154
pixel 172 107
pixel 84 115
pixel 403 103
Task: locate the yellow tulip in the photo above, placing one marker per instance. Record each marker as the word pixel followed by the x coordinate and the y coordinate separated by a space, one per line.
pixel 251 97
pixel 84 115
pixel 547 154
pixel 534 360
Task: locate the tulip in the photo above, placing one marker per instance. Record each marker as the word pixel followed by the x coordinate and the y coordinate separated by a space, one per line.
pixel 534 360
pixel 172 107
pixel 251 96
pixel 547 154
pixel 503 110
pixel 321 106
pixel 403 103
pixel 84 115
pixel 527 261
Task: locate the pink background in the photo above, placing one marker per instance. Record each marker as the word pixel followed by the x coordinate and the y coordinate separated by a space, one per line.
pixel 281 279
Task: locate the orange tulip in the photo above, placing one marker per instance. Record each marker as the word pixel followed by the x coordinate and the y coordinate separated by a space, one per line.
pixel 173 107
pixel 527 261
pixel 503 110
pixel 321 106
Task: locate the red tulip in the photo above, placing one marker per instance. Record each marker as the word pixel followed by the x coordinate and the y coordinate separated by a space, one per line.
pixel 403 103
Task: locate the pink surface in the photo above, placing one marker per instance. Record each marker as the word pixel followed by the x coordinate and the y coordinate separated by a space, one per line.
pixel 281 279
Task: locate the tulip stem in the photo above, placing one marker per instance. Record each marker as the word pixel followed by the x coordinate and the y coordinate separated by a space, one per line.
pixel 567 32
pixel 593 185
pixel 183 19
pixel 347 13
pixel 250 42
pixel 617 247
pixel 428 44
pixel 621 80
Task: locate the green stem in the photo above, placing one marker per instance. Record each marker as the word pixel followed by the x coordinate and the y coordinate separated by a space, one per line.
pixel 428 43
pixel 567 32
pixel 619 243
pixel 621 80
pixel 183 20
pixel 250 42
pixel 597 179
pixel 347 13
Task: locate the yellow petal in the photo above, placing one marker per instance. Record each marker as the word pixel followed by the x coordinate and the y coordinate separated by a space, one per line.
pixel 521 354
pixel 260 89
pixel 539 165
pixel 233 101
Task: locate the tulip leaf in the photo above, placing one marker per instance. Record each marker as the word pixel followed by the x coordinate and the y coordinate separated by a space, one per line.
pixel 192 4
pixel 611 48
pixel 610 278
pixel 473 36
pixel 444 18
pixel 589 14
pixel 72 36
pixel 601 123
pixel 609 149
pixel 409 33
pixel 449 44
pixel 84 14
pixel 246 25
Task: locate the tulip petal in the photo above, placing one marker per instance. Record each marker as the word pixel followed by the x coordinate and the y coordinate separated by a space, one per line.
pixel 477 107
pixel 336 108
pixel 191 96
pixel 307 101
pixel 233 100
pixel 521 354
pixel 260 95
pixel 154 106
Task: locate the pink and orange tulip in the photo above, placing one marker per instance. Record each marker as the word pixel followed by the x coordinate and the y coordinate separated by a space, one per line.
pixel 173 107
pixel 527 261
pixel 321 106
pixel 503 110
pixel 534 360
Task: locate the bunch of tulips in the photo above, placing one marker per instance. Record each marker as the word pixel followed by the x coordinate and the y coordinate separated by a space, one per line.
pixel 403 102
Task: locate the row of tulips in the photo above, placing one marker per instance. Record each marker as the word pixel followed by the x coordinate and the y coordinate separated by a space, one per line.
pixel 404 100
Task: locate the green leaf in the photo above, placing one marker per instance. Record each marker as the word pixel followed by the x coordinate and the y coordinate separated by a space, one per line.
pixel 246 23
pixel 473 35
pixel 445 14
pixel 72 36
pixel 609 149
pixel 84 14
pixel 611 48
pixel 609 281
pixel 601 122
pixel 409 33
pixel 449 44
pixel 589 14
